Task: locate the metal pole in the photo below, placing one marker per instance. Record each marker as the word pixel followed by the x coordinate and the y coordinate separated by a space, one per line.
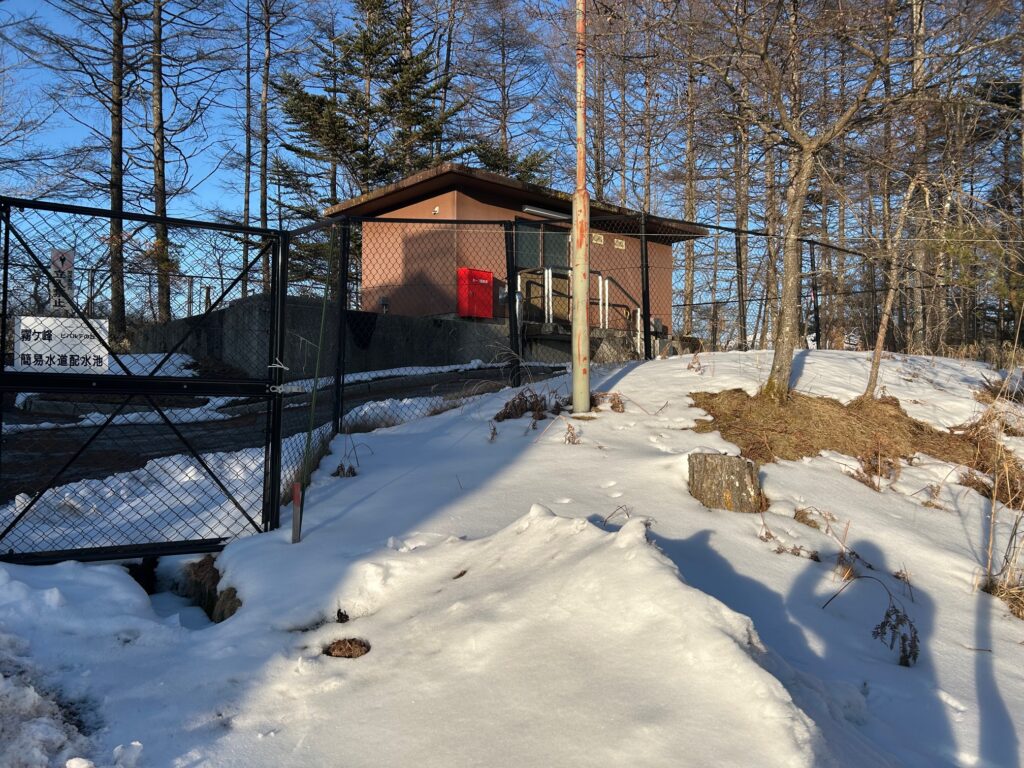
pixel 89 292
pixel 512 291
pixel 645 286
pixel 5 218
pixel 581 230
pixel 339 367
pixel 278 298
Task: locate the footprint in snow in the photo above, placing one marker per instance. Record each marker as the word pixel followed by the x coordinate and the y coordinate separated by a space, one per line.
pixel 563 500
pixel 609 484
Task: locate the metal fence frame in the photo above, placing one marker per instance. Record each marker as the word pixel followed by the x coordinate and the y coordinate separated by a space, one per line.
pixel 270 388
pixel 151 385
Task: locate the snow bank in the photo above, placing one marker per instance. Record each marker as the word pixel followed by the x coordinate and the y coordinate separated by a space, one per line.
pixel 33 730
pixel 565 642
pixel 551 642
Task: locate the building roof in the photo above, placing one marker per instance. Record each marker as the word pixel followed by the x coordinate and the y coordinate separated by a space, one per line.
pixel 448 176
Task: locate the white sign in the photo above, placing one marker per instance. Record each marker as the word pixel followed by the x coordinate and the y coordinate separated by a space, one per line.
pixel 62 267
pixel 60 345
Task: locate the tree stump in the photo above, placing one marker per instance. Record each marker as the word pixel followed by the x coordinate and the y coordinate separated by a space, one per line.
pixel 724 482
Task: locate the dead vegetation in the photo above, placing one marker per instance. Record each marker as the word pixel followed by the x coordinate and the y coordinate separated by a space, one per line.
pixel 881 435
pixel 347 648
pixel 804 516
pixel 201 585
pixel 571 436
pixel 1010 593
pixel 524 402
pixel 877 432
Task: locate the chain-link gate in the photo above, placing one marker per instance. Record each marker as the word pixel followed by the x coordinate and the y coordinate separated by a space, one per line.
pixel 137 417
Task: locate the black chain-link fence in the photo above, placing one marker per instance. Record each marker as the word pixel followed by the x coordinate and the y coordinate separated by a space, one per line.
pixel 167 384
pixel 724 303
pixel 137 412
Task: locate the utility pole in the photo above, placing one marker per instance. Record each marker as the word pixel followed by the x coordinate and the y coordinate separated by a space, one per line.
pixel 581 230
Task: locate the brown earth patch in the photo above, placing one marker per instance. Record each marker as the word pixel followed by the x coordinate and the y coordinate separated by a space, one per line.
pixel 201 585
pixel 347 648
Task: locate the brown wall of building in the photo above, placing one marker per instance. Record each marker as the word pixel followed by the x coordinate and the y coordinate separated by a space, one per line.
pixel 411 265
pixel 414 265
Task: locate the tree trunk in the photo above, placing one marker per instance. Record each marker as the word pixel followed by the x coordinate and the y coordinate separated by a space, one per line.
pixel 771 277
pixel 445 78
pixel 265 134
pixel 777 386
pixel 161 246
pixel 918 344
pixel 892 246
pixel 247 156
pixel 742 190
pixel 724 482
pixel 118 324
pixel 690 203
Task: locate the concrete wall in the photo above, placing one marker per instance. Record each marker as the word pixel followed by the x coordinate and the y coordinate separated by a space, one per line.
pixel 236 338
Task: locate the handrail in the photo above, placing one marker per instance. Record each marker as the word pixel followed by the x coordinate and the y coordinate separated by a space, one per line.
pixel 603 301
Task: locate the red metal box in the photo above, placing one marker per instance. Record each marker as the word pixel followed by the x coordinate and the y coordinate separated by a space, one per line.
pixel 476 293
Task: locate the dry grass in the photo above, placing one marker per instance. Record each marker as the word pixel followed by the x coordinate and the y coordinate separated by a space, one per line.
pixel 1011 594
pixel 526 401
pixel 806 517
pixel 347 648
pixel 878 432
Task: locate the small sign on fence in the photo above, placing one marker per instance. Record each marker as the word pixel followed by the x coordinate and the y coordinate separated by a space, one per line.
pixel 62 266
pixel 60 345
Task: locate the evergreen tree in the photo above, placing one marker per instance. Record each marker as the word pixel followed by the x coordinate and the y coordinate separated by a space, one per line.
pixel 374 113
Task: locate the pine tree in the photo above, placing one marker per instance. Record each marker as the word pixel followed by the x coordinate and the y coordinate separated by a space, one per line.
pixel 375 113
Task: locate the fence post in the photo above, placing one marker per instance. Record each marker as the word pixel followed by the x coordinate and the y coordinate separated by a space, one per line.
pixel 645 286
pixel 278 299
pixel 511 270
pixel 339 365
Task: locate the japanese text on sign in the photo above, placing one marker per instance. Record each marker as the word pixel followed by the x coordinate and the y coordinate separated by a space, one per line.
pixel 60 345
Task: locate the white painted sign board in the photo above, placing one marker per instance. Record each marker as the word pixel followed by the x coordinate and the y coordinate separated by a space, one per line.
pixel 60 345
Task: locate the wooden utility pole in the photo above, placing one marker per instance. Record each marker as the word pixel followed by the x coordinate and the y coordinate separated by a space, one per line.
pixel 581 230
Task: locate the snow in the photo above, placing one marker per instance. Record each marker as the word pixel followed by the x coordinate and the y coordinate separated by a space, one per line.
pixel 33 729
pixel 172 498
pixel 531 602
pixel 378 413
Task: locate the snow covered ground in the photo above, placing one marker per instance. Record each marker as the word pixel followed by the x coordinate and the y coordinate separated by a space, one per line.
pixel 518 616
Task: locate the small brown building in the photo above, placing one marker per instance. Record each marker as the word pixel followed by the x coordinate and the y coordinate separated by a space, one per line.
pixel 423 232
